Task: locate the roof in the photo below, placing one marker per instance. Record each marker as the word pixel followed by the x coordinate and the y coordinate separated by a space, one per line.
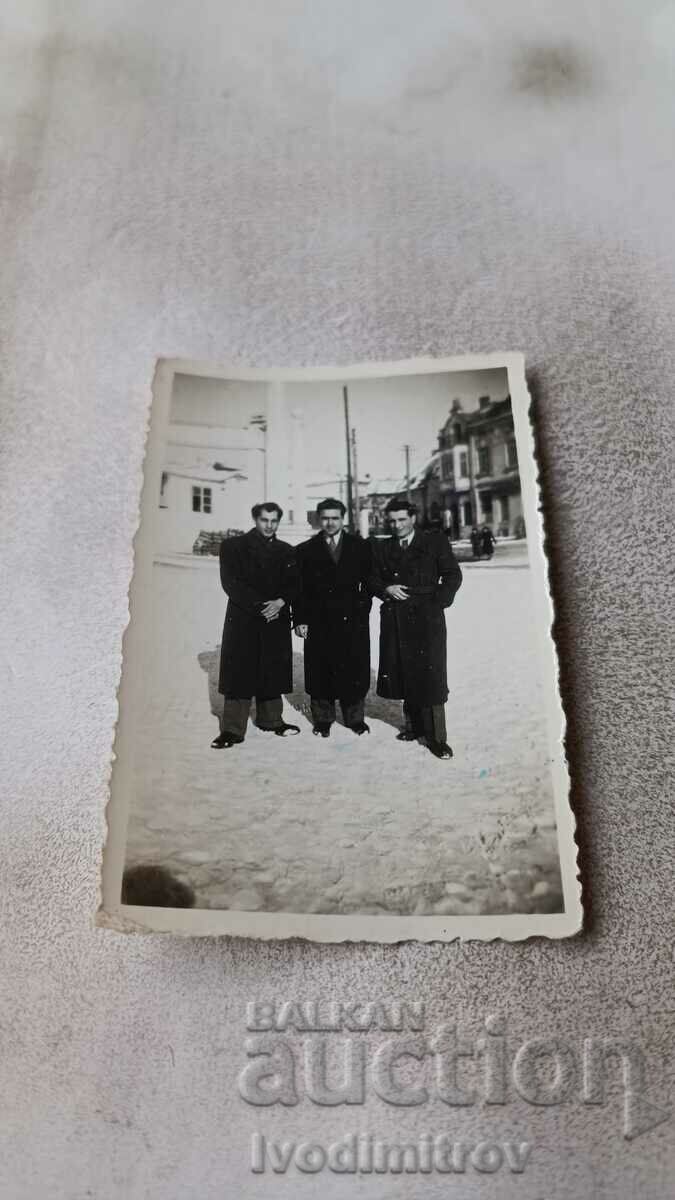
pixel 496 408
pixel 200 473
pixel 385 486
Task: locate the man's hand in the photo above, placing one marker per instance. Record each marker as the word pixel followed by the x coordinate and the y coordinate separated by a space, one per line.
pixel 397 592
pixel 302 630
pixel 272 608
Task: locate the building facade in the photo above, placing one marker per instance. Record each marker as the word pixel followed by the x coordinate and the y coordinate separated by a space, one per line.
pixel 472 477
pixel 494 464
pixel 215 469
pixel 210 480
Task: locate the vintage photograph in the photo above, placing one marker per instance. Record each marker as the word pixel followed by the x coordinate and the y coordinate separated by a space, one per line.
pixel 339 715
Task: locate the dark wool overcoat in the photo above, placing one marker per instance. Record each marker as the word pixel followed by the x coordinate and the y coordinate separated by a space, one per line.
pixel 413 649
pixel 256 657
pixel 335 602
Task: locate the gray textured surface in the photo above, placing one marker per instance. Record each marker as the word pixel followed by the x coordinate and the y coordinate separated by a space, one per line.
pixel 310 183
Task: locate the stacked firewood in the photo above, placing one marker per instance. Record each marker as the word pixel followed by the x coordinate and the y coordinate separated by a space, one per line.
pixel 209 543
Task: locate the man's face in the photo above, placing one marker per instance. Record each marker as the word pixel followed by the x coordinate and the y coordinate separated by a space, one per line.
pixel 267 522
pixel 402 523
pixel 331 520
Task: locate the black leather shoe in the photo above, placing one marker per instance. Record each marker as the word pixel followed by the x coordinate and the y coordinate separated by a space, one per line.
pixel 440 749
pixel 321 729
pixel 287 730
pixel 360 728
pixel 406 735
pixel 225 741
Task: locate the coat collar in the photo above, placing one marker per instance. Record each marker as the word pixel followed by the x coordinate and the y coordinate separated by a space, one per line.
pixel 415 548
pixel 320 545
pixel 258 542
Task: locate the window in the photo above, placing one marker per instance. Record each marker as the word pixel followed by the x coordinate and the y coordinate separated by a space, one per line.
pixel 463 463
pixel 486 505
pixel 483 460
pixel 201 499
pixel 505 508
pixel 446 470
pixel 162 489
pixel 511 454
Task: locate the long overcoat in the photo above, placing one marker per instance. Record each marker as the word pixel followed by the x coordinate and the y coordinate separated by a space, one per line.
pixel 413 639
pixel 335 602
pixel 256 657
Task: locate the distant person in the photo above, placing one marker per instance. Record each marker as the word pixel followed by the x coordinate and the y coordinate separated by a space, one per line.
pixel 416 576
pixel 155 887
pixel 332 615
pixel 488 541
pixel 476 542
pixel 260 576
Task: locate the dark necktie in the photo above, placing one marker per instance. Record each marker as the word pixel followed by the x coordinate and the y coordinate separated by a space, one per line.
pixel 332 546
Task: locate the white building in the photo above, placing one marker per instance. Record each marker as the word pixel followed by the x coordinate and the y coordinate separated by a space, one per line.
pixel 230 445
pixel 211 479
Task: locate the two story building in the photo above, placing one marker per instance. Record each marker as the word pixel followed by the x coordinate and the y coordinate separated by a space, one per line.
pixel 472 477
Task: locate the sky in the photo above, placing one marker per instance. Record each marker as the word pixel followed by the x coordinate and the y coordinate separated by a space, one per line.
pixel 387 413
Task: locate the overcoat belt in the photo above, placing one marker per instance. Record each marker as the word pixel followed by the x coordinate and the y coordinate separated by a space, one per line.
pixel 256 656
pixel 413 639
pixel 334 603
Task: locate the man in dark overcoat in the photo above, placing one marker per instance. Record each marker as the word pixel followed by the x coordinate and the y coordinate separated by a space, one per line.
pixel 259 573
pixel 332 615
pixel 416 576
pixel 488 541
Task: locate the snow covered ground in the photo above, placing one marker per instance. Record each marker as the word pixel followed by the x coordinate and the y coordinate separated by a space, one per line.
pixel 351 824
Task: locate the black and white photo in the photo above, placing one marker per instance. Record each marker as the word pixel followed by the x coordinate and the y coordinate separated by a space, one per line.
pixel 339 715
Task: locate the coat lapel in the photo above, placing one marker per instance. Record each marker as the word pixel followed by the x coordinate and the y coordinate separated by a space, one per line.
pixel 395 554
pixel 321 550
pixel 324 555
pixel 402 560
pixel 415 549
pixel 346 549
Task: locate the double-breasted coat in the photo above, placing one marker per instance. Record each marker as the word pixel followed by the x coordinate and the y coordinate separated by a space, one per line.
pixel 413 639
pixel 334 602
pixel 256 656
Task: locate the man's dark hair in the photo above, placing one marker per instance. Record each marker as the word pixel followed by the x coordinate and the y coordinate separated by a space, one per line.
pixel 330 502
pixel 398 504
pixel 153 885
pixel 266 507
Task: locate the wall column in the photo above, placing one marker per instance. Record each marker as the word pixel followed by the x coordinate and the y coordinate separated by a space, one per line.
pixel 285 463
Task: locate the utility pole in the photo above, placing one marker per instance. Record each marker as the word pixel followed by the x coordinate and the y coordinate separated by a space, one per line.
pixel 350 503
pixel 357 505
pixel 406 450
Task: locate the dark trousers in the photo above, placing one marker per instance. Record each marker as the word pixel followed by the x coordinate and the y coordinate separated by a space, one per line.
pixel 268 714
pixel 428 722
pixel 323 711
